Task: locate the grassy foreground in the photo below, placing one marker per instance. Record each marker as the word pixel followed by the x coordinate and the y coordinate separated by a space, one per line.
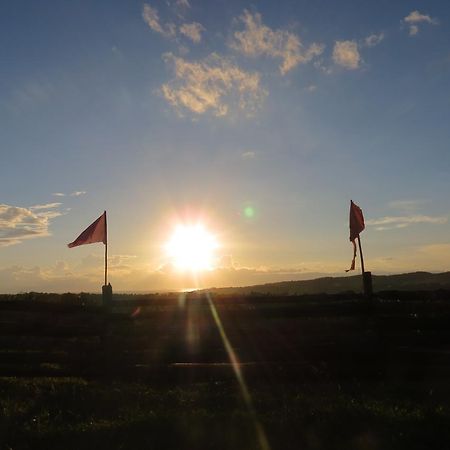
pixel 321 373
pixel 73 413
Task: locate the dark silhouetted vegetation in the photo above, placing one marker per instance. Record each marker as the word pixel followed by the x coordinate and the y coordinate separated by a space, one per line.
pixel 323 371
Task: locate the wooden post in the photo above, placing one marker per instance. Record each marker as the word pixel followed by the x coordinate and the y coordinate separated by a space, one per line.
pixel 107 295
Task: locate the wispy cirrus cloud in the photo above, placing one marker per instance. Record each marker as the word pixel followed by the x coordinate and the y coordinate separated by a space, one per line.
pixel 72 194
pixel 392 222
pixel 405 205
pixel 78 193
pixel 18 223
pixel 257 39
pixel 346 54
pixel 248 155
pixel 45 206
pixel 414 18
pixel 213 84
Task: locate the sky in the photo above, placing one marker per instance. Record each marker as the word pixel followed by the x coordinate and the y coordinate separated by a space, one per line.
pixel 260 120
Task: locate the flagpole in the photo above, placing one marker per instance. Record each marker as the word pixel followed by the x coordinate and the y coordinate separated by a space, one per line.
pixel 361 255
pixel 366 276
pixel 106 252
pixel 106 263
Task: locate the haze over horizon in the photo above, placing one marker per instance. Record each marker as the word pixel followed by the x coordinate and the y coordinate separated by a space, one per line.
pixel 259 121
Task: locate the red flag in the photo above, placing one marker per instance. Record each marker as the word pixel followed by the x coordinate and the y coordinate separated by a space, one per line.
pixel 356 226
pixel 96 232
pixel 356 221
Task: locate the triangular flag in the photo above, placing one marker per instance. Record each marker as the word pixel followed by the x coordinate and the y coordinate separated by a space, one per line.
pixel 96 232
pixel 356 226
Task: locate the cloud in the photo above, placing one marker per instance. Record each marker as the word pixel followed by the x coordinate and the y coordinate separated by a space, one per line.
pixel 248 155
pixel 346 54
pixel 192 31
pixel 417 17
pixel 128 273
pixel 96 261
pixel 373 39
pixel 405 205
pixel 212 84
pixel 413 30
pixel 414 18
pixel 183 4
pixel 45 206
pixel 391 222
pixel 151 18
pixel 319 64
pixel 18 224
pixel 72 194
pixel 57 278
pixel 257 39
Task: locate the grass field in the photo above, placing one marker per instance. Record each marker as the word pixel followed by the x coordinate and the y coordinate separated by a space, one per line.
pixel 317 372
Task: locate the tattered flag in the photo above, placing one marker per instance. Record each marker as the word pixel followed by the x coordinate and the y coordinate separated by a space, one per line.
pixel 356 226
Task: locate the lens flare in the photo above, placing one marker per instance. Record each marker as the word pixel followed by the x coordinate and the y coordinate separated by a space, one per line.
pixel 234 360
pixel 249 212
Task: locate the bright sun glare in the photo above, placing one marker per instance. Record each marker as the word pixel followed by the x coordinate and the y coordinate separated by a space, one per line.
pixel 192 247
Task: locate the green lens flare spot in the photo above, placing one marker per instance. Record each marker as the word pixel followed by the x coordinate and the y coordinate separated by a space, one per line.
pixel 249 212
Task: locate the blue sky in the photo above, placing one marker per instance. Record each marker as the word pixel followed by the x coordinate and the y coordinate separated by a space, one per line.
pixel 161 112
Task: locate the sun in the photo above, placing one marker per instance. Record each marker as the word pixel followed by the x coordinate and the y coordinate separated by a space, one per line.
pixel 192 247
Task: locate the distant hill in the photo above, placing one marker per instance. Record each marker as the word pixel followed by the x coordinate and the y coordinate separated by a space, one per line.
pixel 416 281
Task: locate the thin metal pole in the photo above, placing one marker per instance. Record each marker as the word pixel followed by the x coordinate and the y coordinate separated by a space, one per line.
pixel 106 251
pixel 106 263
pixel 361 255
